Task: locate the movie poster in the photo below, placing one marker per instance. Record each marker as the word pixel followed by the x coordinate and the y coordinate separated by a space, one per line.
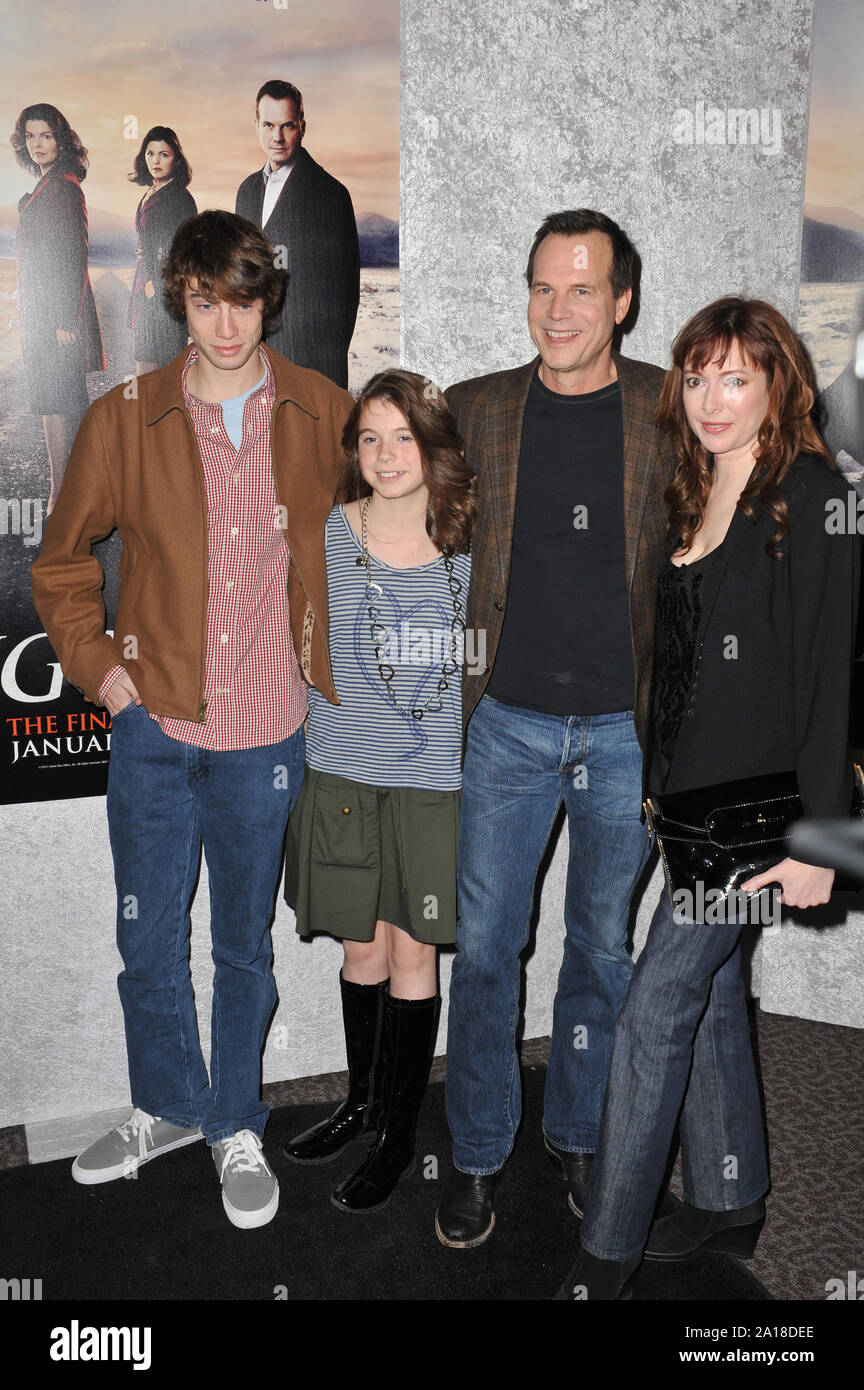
pixel 832 248
pixel 831 297
pixel 166 93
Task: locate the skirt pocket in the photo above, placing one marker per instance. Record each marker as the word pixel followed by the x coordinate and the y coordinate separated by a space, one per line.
pixel 341 834
pixel 332 862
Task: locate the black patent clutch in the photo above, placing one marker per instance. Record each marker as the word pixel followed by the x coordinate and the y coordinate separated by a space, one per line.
pixel 713 839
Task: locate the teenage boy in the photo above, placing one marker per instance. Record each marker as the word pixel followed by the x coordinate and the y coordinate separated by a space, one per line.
pixel 219 475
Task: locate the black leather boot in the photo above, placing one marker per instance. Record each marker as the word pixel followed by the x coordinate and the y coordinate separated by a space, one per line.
pixel 576 1169
pixel 592 1280
pixel 362 1015
pixel 410 1028
pixel 465 1217
pixel 689 1229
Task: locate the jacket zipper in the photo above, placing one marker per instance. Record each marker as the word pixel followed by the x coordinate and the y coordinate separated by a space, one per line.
pixel 292 560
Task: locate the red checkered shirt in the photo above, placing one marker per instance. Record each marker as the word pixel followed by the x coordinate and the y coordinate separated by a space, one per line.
pixel 253 687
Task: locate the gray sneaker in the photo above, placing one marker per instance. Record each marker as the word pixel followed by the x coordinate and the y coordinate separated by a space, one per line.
pixel 122 1151
pixel 250 1192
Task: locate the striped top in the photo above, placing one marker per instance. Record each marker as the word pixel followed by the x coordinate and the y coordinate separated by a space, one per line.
pixel 364 738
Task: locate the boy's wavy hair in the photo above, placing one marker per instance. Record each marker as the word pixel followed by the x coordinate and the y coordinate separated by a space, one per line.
pixel 767 342
pixel 228 258
pixel 452 506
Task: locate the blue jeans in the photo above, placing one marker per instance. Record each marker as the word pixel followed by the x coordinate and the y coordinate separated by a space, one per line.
pixel 519 766
pixel 683 1038
pixel 166 799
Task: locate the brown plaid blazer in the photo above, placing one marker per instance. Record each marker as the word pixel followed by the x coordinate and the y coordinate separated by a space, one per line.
pixel 489 411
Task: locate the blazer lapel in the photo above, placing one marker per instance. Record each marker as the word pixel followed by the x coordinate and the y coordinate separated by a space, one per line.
pixel 296 181
pixel 504 414
pixel 260 188
pixel 637 419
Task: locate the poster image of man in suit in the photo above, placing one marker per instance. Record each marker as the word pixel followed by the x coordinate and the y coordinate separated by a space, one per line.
pixel 308 218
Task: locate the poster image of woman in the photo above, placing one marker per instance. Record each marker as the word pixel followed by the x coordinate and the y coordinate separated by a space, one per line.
pixel 163 169
pixel 60 338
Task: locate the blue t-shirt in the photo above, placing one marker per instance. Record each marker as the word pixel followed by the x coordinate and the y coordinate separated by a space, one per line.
pixel 232 413
pixel 364 738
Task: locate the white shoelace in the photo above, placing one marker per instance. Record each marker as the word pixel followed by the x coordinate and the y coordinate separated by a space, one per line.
pixel 139 1123
pixel 243 1153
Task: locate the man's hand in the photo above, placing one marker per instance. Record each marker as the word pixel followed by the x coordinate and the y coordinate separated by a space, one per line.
pixel 122 693
pixel 803 885
pixel 149 289
pixel 63 336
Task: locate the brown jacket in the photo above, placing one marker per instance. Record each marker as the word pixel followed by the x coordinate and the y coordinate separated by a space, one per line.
pixel 136 465
pixel 489 411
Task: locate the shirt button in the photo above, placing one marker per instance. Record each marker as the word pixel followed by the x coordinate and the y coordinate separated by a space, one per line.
pixel 236 477
pixel 346 810
pixel 229 584
pixel 224 637
pixel 234 531
pixel 214 429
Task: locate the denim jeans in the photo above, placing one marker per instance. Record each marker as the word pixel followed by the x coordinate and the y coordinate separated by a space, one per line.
pixel 519 765
pixel 683 1038
pixel 166 799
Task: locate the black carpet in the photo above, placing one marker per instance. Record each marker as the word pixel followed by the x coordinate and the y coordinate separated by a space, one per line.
pixel 163 1235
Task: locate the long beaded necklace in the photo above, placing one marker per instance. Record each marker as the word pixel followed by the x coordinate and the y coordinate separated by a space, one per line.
pixel 449 666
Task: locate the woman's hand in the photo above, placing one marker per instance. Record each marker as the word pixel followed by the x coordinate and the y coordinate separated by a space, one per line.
pixel 803 885
pixel 64 336
pixel 149 290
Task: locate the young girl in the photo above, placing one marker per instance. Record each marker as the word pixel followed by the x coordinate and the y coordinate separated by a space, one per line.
pixel 372 839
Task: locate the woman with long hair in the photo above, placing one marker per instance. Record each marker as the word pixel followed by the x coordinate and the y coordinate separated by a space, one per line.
pixel 752 668
pixel 162 169
pixel 372 840
pixel 60 339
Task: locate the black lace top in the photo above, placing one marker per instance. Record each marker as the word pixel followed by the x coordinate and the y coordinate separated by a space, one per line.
pixel 679 610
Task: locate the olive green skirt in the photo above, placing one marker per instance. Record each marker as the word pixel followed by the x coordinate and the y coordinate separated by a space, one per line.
pixel 357 854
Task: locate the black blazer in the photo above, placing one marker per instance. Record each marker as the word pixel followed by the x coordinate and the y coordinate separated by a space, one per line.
pixel 782 701
pixel 313 224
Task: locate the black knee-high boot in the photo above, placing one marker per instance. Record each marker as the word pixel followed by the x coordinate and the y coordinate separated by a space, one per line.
pixel 363 1017
pixel 410 1028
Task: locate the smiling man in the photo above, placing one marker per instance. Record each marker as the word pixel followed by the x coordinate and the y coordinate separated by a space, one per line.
pixel 309 221
pixel 564 563
pixel 219 472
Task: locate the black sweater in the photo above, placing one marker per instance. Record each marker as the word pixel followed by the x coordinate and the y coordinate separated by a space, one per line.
pixel 770 689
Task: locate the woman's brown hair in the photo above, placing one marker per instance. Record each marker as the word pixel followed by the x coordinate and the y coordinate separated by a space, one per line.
pixel 451 509
pixel 71 154
pixel 767 342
